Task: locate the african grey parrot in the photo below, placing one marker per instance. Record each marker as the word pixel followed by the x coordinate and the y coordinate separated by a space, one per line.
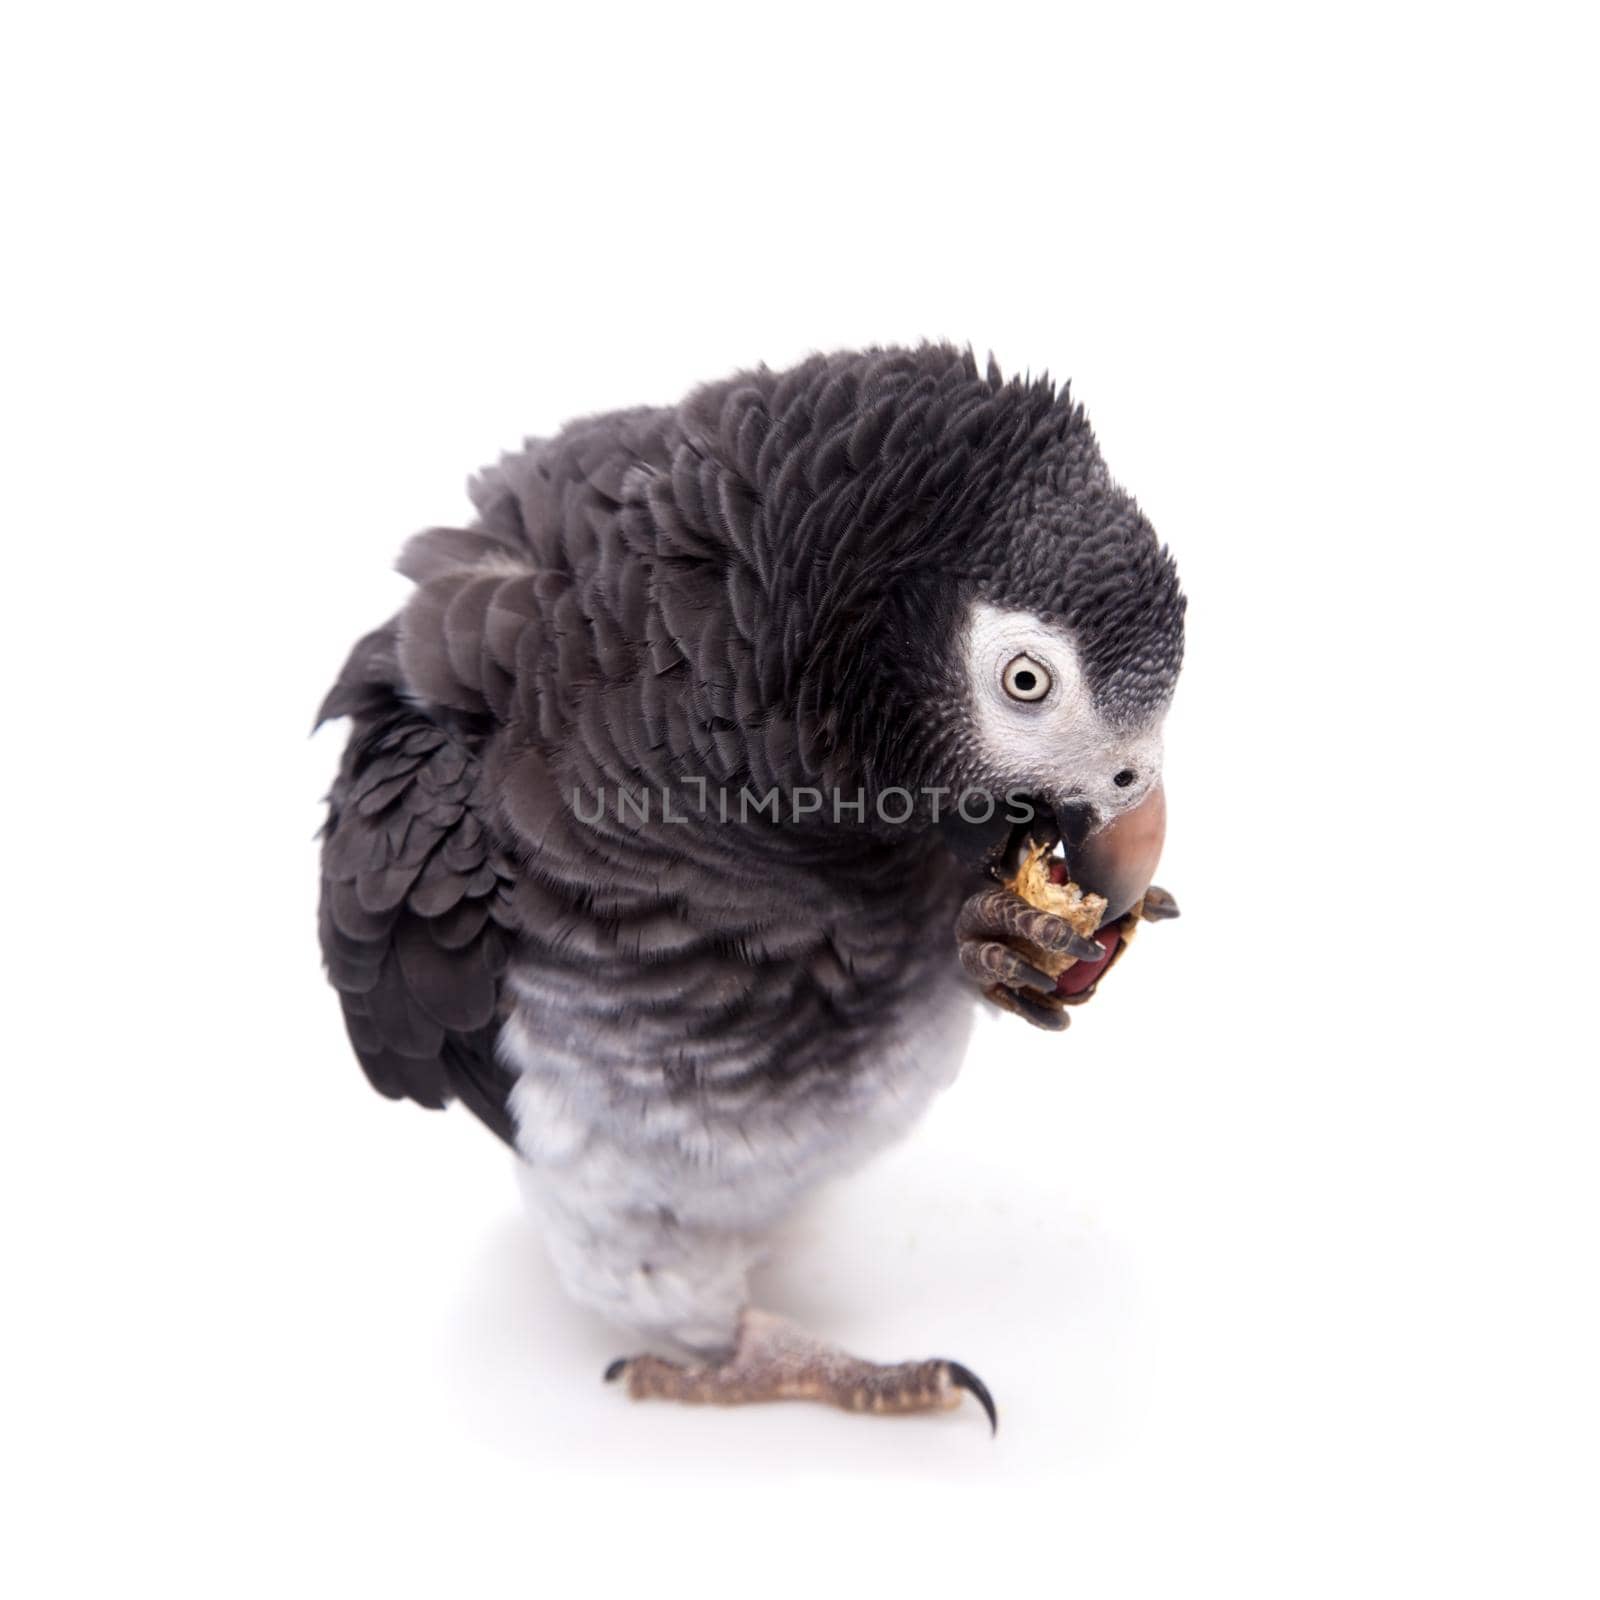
pixel 671 831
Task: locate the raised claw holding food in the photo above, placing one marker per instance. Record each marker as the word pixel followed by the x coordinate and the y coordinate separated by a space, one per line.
pixel 991 924
pixel 997 912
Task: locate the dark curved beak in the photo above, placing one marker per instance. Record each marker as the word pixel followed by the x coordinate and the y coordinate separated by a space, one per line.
pixel 1117 860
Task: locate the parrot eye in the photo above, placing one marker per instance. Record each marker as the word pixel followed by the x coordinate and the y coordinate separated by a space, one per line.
pixel 1026 679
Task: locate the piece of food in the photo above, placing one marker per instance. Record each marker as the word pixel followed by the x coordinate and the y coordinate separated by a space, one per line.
pixel 1042 881
pixel 1043 884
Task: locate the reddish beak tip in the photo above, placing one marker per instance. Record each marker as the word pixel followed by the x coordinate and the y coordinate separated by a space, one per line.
pixel 1119 860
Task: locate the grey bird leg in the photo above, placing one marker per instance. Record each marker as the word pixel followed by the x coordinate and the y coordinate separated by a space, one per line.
pixel 775 1360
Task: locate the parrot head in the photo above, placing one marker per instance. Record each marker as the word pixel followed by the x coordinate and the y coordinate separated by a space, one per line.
pixel 1077 764
pixel 1021 634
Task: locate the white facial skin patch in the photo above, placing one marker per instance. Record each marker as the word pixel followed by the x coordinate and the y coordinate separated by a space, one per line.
pixel 1036 721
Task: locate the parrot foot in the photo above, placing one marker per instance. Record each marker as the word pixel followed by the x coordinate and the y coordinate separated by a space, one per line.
pixel 775 1360
pixel 999 936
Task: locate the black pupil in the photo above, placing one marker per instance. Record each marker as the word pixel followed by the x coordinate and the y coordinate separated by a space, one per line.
pixel 1025 681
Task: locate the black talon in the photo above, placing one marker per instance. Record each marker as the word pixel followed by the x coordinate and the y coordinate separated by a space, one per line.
pixel 1085 949
pixel 965 1378
pixel 1159 906
pixel 616 1369
pixel 1042 1016
pixel 1026 977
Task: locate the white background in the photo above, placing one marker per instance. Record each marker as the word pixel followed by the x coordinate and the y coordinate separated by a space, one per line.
pixel 1282 1262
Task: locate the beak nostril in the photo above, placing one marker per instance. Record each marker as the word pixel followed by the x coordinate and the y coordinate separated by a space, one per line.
pixel 1125 777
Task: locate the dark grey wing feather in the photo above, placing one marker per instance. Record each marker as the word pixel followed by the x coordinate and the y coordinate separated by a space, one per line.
pixel 416 918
